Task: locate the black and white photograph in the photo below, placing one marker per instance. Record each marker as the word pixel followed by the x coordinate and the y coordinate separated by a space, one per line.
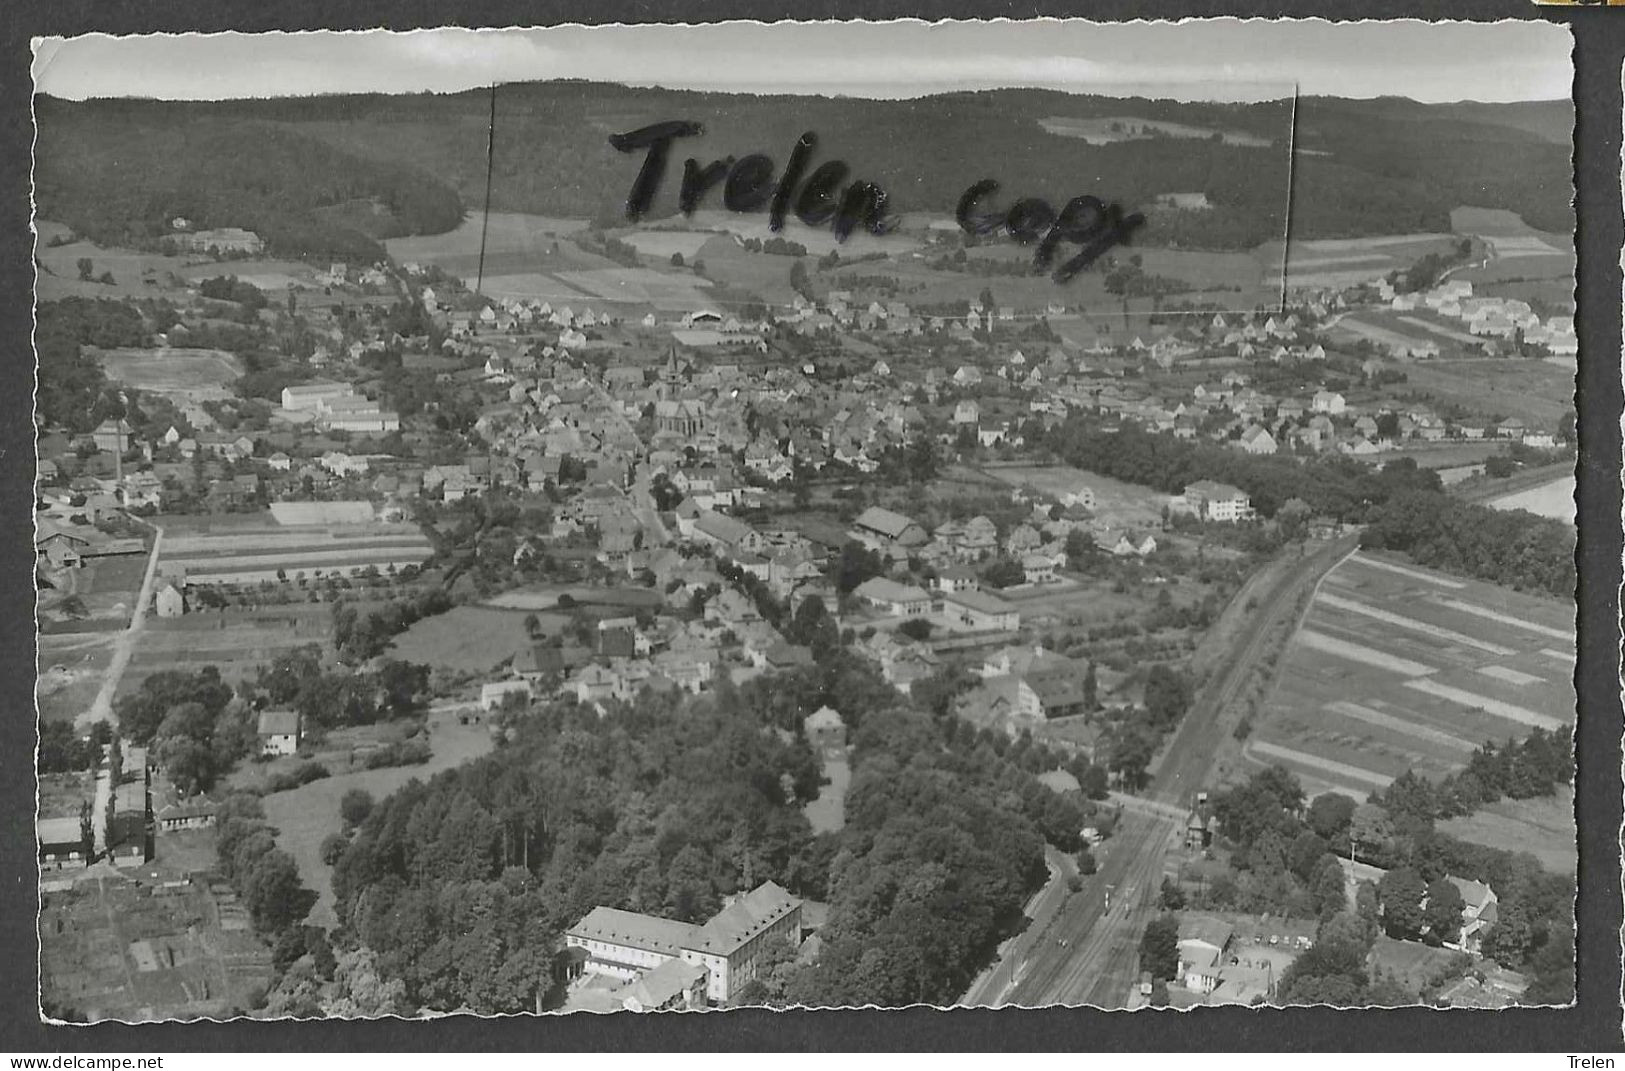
pixel 638 519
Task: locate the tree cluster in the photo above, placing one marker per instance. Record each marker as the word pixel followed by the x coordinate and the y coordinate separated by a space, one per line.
pixel 1513 548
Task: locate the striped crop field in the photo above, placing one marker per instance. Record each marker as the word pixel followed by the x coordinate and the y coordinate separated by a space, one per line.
pixel 1398 667
pixel 250 555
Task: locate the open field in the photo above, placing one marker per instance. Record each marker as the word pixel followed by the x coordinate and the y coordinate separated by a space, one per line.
pixel 71 669
pixel 1118 503
pixel 1498 224
pixel 305 815
pixel 1543 827
pixel 1535 391
pixel 237 641
pixel 668 290
pixel 827 813
pixel 662 244
pixel 507 232
pixel 1441 456
pixel 767 275
pixel 107 586
pixel 1336 262
pixel 1554 499
pixel 817 240
pixel 197 374
pixel 135 274
pixel 471 639
pixel 1410 962
pixel 1399 667
pixel 1105 130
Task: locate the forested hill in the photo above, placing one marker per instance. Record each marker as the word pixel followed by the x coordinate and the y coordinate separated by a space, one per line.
pixel 119 172
pixel 1365 167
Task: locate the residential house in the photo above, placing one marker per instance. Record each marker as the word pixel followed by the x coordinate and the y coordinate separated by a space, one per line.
pixel 279 732
pixel 880 528
pixel 824 729
pixel 1215 501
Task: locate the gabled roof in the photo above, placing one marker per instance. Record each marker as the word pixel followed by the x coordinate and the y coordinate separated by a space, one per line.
pixel 634 930
pixel 279 723
pixel 882 520
pixel 743 919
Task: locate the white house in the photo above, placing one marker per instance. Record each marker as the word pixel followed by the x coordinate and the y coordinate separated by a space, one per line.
pixel 279 732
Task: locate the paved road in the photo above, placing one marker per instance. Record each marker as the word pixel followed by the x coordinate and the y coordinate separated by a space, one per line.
pixel 1090 954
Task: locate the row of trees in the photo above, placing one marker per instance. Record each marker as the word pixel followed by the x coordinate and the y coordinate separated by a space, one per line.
pixel 1519 770
pixel 328 698
pixel 1337 486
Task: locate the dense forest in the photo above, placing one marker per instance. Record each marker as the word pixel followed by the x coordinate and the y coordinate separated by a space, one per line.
pixel 1510 547
pixel 294 169
pixel 459 889
pixel 73 391
pixel 118 173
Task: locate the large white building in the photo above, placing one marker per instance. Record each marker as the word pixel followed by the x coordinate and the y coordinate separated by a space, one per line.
pixel 1218 501
pixel 626 945
pixel 303 396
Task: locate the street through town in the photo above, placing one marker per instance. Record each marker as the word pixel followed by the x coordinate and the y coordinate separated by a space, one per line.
pixel 1089 954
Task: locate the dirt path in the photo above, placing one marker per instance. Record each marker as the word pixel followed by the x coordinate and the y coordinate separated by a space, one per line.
pixel 101 708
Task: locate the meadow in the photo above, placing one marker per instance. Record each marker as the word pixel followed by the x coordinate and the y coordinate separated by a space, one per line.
pixel 1535 391
pixel 468 639
pixel 304 816
pixel 199 374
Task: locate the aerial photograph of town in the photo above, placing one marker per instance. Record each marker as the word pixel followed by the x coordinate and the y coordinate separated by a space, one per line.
pixel 528 525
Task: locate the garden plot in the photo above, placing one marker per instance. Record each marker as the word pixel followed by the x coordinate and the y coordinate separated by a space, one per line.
pixel 1401 668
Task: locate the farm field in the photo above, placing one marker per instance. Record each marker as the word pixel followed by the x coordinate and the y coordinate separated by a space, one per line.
pixel 1334 262
pixel 662 244
pixel 817 240
pixel 506 233
pixel 1441 456
pixel 237 641
pixel 1398 668
pixel 767 275
pixel 1535 391
pixel 1543 827
pixel 196 374
pixel 1529 265
pixel 304 815
pixel 251 552
pixel 666 291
